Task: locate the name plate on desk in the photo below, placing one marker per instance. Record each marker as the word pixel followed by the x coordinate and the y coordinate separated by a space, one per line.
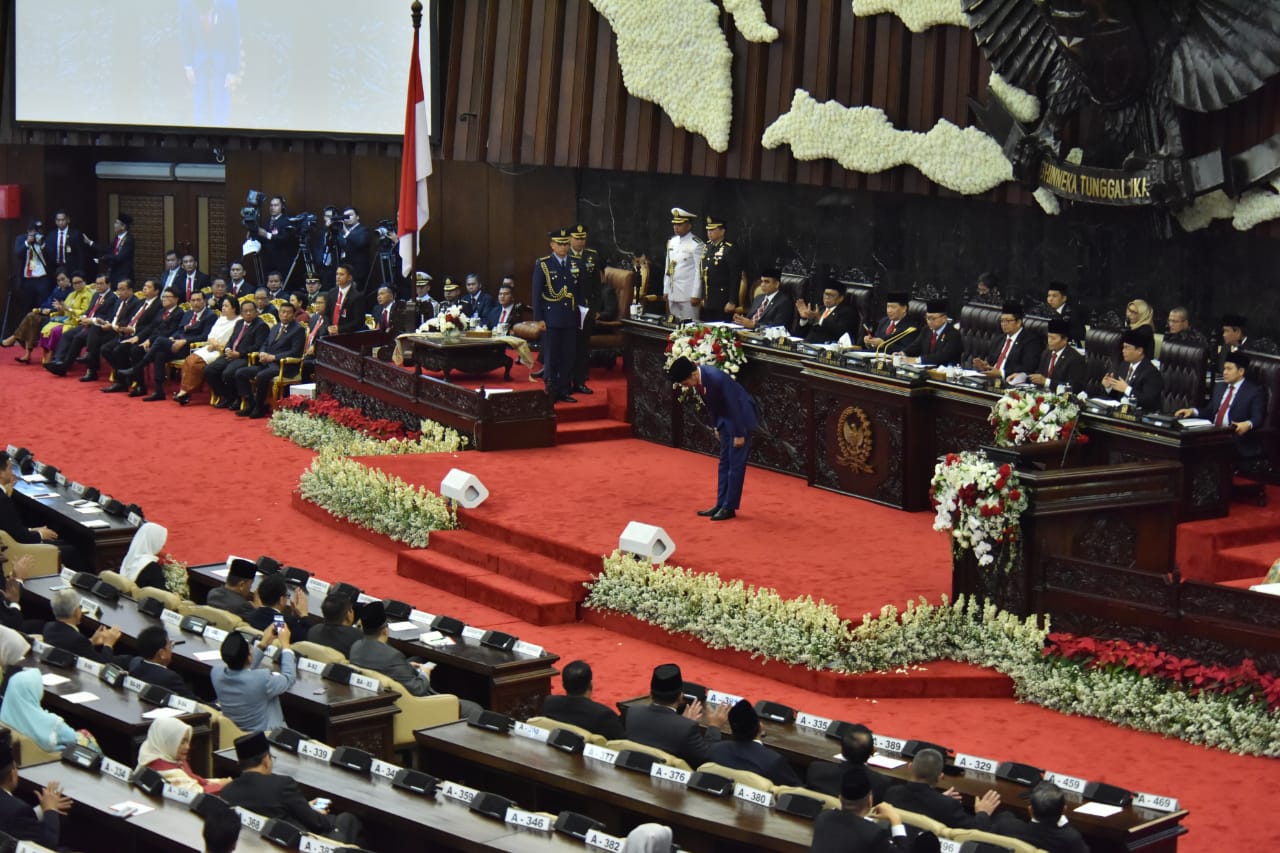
pixel 461 793
pixel 753 795
pixel 90 666
pixel 600 753
pixel 312 844
pixel 385 769
pixel 671 774
pixel 315 586
pixel 421 617
pixel 116 770
pixel 527 649
pixel 473 633
pixel 38 646
pixel 1155 801
pixel 315 749
pixel 271 651
pixel 90 607
pixel 531 732
pixel 946 845
pixel 172 618
pixel 529 820
pixel 60 478
pixel 76 489
pixel 311 665
pixel 364 682
pixel 253 820
pixel 715 697
pixel 889 744
pixel 1066 783
pixel 973 762
pixel 67 574
pixel 813 721
pixel 180 795
pixel 604 841
pixel 133 685
pixel 181 703
pixel 135 519
pixel 214 634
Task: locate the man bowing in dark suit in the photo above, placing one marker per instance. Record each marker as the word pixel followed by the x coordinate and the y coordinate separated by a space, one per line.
pixel 660 725
pixel 732 413
pixel 1016 355
pixel 151 663
pixel 577 708
pixel 837 317
pixel 1142 383
pixel 853 827
pixel 770 308
pixel 938 344
pixel 253 381
pixel 1060 364
pixel 1236 403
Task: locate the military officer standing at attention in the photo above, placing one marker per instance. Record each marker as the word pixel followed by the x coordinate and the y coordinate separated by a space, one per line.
pixel 555 309
pixel 588 295
pixel 682 282
pixel 723 278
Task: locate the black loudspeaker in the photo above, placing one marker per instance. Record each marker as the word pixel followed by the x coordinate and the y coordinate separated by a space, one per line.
pixel 566 741
pixel 134 509
pixel 447 625
pixel 710 783
pixel 799 805
pixel 349 590
pixel 338 672
pixel 147 780
pixel 208 804
pixel 697 691
pixel 491 805
pixel 267 565
pixel 577 825
pixel 397 611
pixel 838 729
pixel 296 576
pixel 911 747
pixel 1023 774
pixel 48 472
pixel 1109 795
pixel 775 711
pixel 55 656
pixel 151 607
pixel 106 592
pixel 91 493
pixel 498 640
pixel 113 507
pixel 155 694
pixel 633 759
pixel 193 624
pixel 112 674
pixel 280 831
pixel 84 580
pixel 286 738
pixel 415 780
pixel 83 757
pixel 493 721
pixel 350 758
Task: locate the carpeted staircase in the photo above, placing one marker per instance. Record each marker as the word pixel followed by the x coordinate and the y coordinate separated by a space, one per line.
pixel 590 419
pixel 1236 550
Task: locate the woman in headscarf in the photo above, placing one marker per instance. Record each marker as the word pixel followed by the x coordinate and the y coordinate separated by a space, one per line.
pixel 13 648
pixel 21 711
pixel 165 751
pixel 649 838
pixel 1139 316
pixel 142 562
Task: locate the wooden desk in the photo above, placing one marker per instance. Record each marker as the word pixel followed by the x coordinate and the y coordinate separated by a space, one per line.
pixel 170 827
pixel 391 815
pixel 325 710
pixel 101 547
pixel 501 681
pixel 542 778
pixel 463 354
pixel 1132 829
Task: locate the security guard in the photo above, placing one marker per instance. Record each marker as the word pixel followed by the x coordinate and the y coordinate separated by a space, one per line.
pixel 724 280
pixel 682 279
pixel 589 290
pixel 556 282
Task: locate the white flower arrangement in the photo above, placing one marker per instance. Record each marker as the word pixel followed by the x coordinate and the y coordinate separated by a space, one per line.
pixel 862 139
pixel 1020 103
pixel 1253 208
pixel 321 433
pixel 918 15
pixel 660 42
pixel 750 20
pixel 717 346
pixel 451 319
pixel 1021 418
pixel 374 500
pixel 979 504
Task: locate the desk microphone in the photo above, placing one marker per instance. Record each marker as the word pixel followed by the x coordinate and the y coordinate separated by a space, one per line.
pixel 908 331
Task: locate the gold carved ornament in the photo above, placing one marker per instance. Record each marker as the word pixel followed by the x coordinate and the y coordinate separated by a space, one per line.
pixel 853 438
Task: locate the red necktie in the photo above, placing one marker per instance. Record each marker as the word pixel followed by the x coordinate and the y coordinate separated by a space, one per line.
pixel 119 240
pixel 502 321
pixel 195 319
pixel 119 312
pixel 386 316
pixel 315 330
pixel 888 332
pixel 933 342
pixel 243 327
pixel 1053 360
pixel 760 311
pixel 337 307
pixel 134 322
pixel 1220 418
pixel 191 285
pixel 97 303
pixel 1008 342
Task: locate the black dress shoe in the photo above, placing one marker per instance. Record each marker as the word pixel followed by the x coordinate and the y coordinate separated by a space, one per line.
pixel 582 389
pixel 258 413
pixel 153 398
pixel 115 388
pixel 126 373
pixel 565 398
pixel 89 376
pixel 138 392
pixel 243 413
pixel 706 512
pixel 57 368
pixel 226 404
pixel 722 514
pixel 182 400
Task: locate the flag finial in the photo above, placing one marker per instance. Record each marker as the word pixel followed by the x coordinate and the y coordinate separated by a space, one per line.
pixel 416 10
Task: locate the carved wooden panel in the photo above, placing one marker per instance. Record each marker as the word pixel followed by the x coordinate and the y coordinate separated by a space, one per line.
pixel 1106 538
pixel 148 233
pixel 389 376
pixel 650 396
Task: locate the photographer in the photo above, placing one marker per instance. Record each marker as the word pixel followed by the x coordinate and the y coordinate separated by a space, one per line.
pixel 33 269
pixel 354 243
pixel 324 246
pixel 279 241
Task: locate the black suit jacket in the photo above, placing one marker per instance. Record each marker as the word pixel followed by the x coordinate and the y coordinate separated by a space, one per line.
pixel 584 713
pixel 661 726
pixel 1072 369
pixel 63 636
pixel 339 637
pixel 19 820
pixel 354 249
pixel 106 302
pixel 1075 322
pixel 882 332
pixel 755 757
pixel 351 318
pixel 1024 355
pixel 1146 388
pixel 314 334
pixel 118 263
pixel 924 799
pixel 11 522
pixel 841 831
pixel 154 673
pixel 264 616
pixel 285 342
pixel 230 601
pixel 179 285
pixel 275 796
pixel 162 326
pixel 826 776
pixel 388 316
pixel 946 351
pixel 142 316
pixel 781 311
pixel 1054 839
pixel 73 253
pixel 253 337
pixel 844 319
pixel 193 329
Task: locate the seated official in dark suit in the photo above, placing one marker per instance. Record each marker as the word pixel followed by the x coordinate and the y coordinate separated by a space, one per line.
pixel 236 596
pixel 372 652
pixel 17 818
pixel 1236 403
pixel 338 630
pixel 1015 355
pixel 577 708
pixel 151 664
pixel 253 381
pixel 852 827
pixel 275 596
pixel 894 332
pixel 660 725
pixel 1060 364
pixel 261 791
pixel 1057 298
pixel 64 631
pixel 386 313
pixel 221 830
pixel 921 796
pixel 771 307
pixel 1046 829
pixel 1142 383
pixel 940 343
pixel 745 752
pixel 857 745
pixel 836 317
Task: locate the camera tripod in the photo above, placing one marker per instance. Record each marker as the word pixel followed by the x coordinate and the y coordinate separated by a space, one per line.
pixel 304 255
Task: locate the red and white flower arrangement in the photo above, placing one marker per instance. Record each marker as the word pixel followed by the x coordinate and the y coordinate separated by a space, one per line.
pixel 979 503
pixel 451 320
pixel 717 346
pixel 1020 417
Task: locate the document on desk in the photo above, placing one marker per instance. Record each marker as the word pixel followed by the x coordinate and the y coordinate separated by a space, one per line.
pixel 52 679
pixel 877 760
pixel 404 626
pixel 1098 809
pixel 1195 423
pixel 157 713
pixel 1104 402
pixel 89 509
pixel 82 697
pixel 208 655
pixel 95 523
pixel 129 808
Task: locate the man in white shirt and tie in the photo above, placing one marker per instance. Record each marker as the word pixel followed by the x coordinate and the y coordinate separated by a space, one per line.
pixel 1142 384
pixel 772 307
pixel 1018 353
pixel 169 277
pixel 66 244
pixel 1236 403
pixel 502 315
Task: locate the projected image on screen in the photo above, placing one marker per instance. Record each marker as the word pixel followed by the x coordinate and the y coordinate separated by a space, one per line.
pixel 307 66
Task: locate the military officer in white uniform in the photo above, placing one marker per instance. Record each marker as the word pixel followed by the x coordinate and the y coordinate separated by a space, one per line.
pixel 682 282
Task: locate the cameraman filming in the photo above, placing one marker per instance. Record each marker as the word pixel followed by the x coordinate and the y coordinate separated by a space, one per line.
pixel 354 241
pixel 324 246
pixel 279 243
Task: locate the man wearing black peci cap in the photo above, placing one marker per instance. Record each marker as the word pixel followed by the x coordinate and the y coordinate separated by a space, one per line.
pixel 940 342
pixel 556 303
pixel 1235 336
pixel 660 725
pixel 116 256
pixel 837 317
pixel 236 596
pixel 894 332
pixel 248 693
pixel 746 752
pixel 1046 830
pixel 17 818
pixel 1142 382
pixel 1060 364
pixel 1236 403
pixel 1016 354
pixel 853 826
pixel 577 708
pixel 263 792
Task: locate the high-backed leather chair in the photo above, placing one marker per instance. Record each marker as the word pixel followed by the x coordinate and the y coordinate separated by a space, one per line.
pixel 1102 353
pixel 1039 325
pixel 1182 366
pixel 864 295
pixel 979 330
pixel 1264 371
pixel 607 340
pixel 916 309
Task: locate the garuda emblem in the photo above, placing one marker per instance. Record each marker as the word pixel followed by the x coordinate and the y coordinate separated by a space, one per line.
pixel 853 438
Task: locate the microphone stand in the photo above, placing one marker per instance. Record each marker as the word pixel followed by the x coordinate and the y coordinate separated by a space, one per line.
pixel 880 355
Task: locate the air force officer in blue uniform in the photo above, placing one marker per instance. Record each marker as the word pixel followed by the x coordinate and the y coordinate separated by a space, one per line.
pixel 555 308
pixel 733 416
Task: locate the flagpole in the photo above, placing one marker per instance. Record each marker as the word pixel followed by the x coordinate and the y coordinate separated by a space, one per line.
pixel 415 161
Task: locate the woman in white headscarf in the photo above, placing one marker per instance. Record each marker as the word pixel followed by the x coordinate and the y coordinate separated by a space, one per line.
pixel 13 648
pixel 648 838
pixel 142 563
pixel 165 751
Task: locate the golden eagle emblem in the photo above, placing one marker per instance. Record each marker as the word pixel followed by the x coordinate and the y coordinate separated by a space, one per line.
pixel 853 437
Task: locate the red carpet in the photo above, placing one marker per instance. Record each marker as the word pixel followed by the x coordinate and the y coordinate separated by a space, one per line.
pixel 222 484
pixel 1240 547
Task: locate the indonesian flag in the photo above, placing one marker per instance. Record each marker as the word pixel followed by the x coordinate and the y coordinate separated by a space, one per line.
pixel 415 166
